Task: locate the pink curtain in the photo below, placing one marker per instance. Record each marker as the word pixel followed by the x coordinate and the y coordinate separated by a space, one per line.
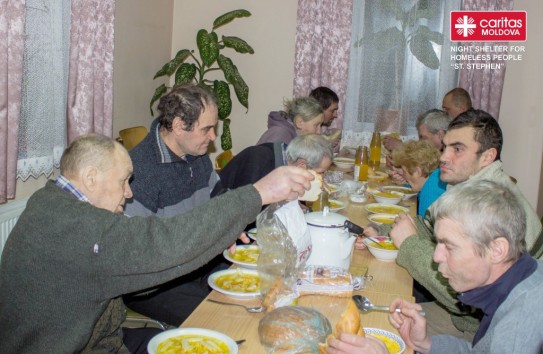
pixel 485 86
pixel 12 24
pixel 323 38
pixel 90 82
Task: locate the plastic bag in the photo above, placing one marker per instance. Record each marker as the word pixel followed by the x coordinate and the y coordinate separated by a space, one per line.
pixel 293 329
pixel 285 246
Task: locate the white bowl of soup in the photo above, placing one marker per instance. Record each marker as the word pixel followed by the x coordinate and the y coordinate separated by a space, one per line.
pixel 191 340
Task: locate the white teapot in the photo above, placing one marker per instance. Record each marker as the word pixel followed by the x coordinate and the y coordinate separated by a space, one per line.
pixel 332 243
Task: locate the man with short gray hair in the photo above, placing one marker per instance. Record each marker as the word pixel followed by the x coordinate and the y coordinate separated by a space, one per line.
pixel 481 251
pixel 309 151
pixel 432 126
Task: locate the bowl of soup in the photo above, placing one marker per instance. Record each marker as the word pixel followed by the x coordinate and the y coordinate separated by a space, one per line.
pixel 388 197
pixel 383 250
pixel 382 219
pixel 191 340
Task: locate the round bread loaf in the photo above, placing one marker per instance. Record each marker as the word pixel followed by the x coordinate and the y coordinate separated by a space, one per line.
pixel 293 325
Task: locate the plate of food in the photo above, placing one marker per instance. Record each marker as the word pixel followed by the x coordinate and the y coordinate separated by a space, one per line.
pixel 407 191
pixel 239 283
pixel 252 233
pixel 382 208
pixel 344 163
pixel 393 342
pixel 382 219
pixel 376 175
pixel 191 340
pixel 245 256
pixel 335 205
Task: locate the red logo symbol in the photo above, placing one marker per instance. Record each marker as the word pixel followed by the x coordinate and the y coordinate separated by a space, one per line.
pixel 488 26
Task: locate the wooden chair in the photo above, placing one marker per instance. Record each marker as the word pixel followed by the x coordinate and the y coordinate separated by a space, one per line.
pixel 130 137
pixel 222 159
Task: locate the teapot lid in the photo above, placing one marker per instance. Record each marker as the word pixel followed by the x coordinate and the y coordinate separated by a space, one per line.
pixel 324 218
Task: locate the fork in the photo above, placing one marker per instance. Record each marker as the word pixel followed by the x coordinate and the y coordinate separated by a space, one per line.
pixel 256 309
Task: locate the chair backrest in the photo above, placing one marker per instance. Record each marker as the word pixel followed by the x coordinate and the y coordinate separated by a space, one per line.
pixel 132 136
pixel 222 159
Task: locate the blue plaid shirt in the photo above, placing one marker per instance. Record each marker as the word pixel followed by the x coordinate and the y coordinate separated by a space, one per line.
pixel 63 183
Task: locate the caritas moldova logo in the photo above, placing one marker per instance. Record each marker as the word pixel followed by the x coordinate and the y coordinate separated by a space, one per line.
pixel 488 26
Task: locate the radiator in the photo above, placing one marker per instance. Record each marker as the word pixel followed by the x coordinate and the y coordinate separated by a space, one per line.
pixel 9 214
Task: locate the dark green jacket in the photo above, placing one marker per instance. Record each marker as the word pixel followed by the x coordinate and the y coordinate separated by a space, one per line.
pixel 66 264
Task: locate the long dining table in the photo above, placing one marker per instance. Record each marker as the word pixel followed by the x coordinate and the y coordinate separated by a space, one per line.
pixel 389 281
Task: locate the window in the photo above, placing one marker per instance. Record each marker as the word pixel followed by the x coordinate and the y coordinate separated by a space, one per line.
pixel 399 66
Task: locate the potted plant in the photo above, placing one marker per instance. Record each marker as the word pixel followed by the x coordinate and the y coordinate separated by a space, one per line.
pixel 408 33
pixel 188 68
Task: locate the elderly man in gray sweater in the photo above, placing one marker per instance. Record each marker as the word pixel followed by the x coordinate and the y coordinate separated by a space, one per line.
pixel 73 253
pixel 481 250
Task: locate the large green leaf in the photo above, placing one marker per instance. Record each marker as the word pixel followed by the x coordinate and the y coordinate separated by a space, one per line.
pixel 224 102
pixel 241 88
pixel 384 40
pixel 393 6
pixel 159 91
pixel 169 68
pixel 229 17
pixel 433 36
pixel 238 44
pixel 208 46
pixel 185 74
pixel 423 50
pixel 427 9
pixel 227 68
pixel 226 137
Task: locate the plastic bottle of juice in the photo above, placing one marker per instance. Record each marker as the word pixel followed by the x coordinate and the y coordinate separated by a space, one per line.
pixel 375 151
pixel 357 162
pixel 364 165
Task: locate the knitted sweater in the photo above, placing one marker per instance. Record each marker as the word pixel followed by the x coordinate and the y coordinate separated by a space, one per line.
pixel 66 264
pixel 417 251
pixel 515 327
pixel 280 129
pixel 165 184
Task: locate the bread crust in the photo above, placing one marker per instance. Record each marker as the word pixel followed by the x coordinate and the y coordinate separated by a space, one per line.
pixel 316 188
pixel 348 323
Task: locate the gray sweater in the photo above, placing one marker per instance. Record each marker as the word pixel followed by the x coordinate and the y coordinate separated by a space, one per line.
pixel 417 251
pixel 515 327
pixel 66 264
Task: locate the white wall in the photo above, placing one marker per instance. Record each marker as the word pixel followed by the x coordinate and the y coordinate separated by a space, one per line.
pixel 521 117
pixel 271 31
pixel 143 41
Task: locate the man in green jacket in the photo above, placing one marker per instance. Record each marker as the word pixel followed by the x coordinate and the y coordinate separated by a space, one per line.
pixel 73 253
pixel 472 147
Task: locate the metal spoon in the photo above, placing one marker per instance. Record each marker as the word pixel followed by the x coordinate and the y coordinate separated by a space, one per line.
pixel 256 309
pixel 364 304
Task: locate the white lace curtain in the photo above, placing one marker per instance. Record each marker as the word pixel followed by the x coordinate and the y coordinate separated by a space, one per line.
pixel 388 86
pixel 57 82
pixel 42 125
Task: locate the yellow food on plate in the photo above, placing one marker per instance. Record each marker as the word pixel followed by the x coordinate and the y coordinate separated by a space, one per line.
pixel 403 190
pixel 383 245
pixel 334 204
pixel 392 346
pixel 239 282
pixel 383 220
pixel 376 176
pixel 385 209
pixel 192 343
pixel 386 194
pixel 246 254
